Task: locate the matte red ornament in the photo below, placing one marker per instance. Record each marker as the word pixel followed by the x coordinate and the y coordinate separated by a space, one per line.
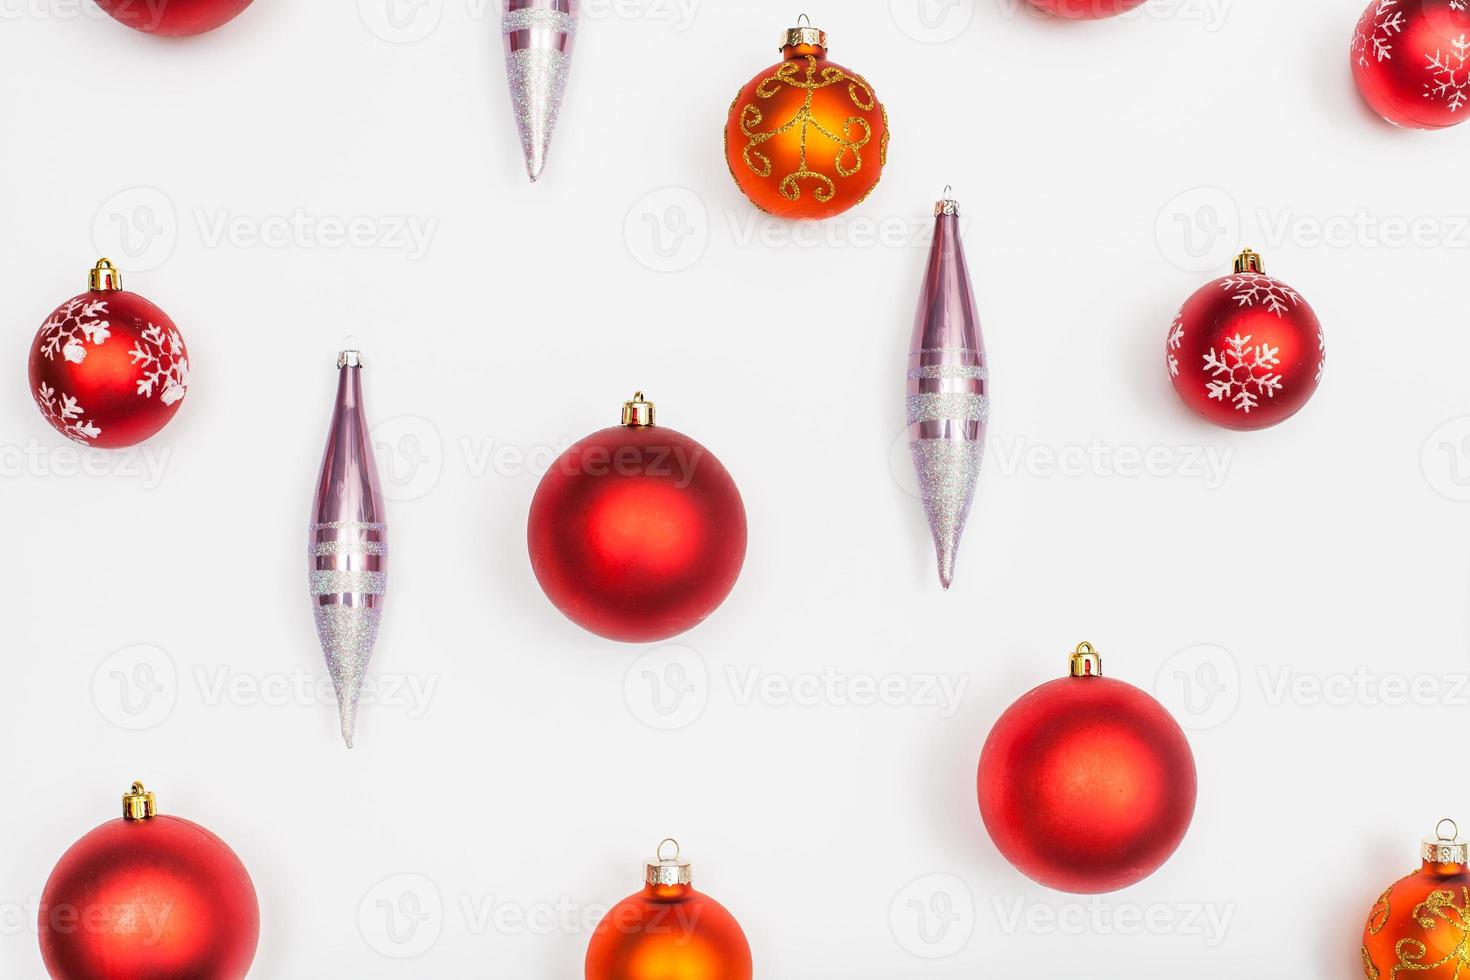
pixel 637 533
pixel 1411 60
pixel 1086 9
pixel 148 897
pixel 1246 351
pixel 108 368
pixel 1086 784
pixel 668 931
pixel 173 18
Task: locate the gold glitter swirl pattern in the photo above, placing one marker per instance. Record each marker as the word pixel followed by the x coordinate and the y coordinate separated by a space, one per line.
pixel 1378 918
pixel 856 131
pixel 1369 970
pixel 1439 909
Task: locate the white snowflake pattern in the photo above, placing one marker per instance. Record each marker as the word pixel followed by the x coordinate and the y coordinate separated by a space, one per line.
pixel 1450 75
pixel 1243 373
pixel 160 354
pixel 1176 339
pixel 1257 288
pixel 1376 31
pixel 71 328
pixel 65 413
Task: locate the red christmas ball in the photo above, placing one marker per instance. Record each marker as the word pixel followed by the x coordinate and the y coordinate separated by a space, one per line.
pixel 146 897
pixel 1411 60
pixel 1086 9
pixel 637 533
pixel 1246 351
pixel 173 18
pixel 108 368
pixel 1086 784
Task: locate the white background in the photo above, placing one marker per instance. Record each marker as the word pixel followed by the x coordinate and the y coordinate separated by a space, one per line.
pixel 516 771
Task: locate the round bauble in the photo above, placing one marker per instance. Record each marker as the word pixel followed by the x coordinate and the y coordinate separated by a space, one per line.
pixel 108 368
pixel 173 18
pixel 637 533
pixel 1086 784
pixel 1086 9
pixel 146 897
pixel 1411 60
pixel 1246 351
pixel 806 138
pixel 1419 925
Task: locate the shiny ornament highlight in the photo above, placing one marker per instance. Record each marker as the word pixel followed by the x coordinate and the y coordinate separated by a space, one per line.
pixel 539 37
pixel 668 931
pixel 637 533
pixel 148 896
pixel 1420 925
pixel 1246 351
pixel 108 368
pixel 946 397
pixel 1086 9
pixel 1086 784
pixel 1411 61
pixel 806 138
pixel 347 550
pixel 173 18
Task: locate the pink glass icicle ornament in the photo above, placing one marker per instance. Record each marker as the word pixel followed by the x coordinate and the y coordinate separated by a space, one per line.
pixel 947 404
pixel 348 549
pixel 539 36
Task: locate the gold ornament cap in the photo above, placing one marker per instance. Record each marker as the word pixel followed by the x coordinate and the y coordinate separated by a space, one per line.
pixel 349 358
pixel 668 871
pixel 946 204
pixel 139 804
pixel 104 277
pixel 1249 261
pixel 1445 848
pixel 639 411
pixel 804 35
pixel 1086 661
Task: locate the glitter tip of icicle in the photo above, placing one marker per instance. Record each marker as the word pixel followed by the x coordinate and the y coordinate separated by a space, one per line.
pixel 946 569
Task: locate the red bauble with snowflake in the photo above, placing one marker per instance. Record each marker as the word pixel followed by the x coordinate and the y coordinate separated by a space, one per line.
pixel 173 18
pixel 1087 784
pixel 1086 9
pixel 637 533
pixel 108 368
pixel 1246 351
pixel 1411 60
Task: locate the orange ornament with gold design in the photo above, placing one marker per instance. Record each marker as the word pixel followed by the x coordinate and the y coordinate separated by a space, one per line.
pixel 806 138
pixel 1420 926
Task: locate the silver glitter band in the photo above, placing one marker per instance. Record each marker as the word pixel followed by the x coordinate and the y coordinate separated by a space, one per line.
pixel 348 526
pixel 336 581
pixel 943 405
pixel 329 549
pixel 526 20
pixel 965 372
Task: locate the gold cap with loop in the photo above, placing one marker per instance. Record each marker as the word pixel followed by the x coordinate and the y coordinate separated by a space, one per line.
pixel 639 411
pixel 139 804
pixel 668 871
pixel 1086 661
pixel 804 35
pixel 1442 849
pixel 104 277
pixel 1249 261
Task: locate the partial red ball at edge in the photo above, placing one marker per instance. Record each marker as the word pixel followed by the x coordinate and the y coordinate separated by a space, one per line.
pixel 637 533
pixel 144 899
pixel 1086 9
pixel 174 18
pixel 1411 61
pixel 1087 785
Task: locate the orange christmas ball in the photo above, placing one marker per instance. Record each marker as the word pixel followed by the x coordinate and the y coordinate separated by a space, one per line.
pixel 806 138
pixel 668 931
pixel 1420 926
